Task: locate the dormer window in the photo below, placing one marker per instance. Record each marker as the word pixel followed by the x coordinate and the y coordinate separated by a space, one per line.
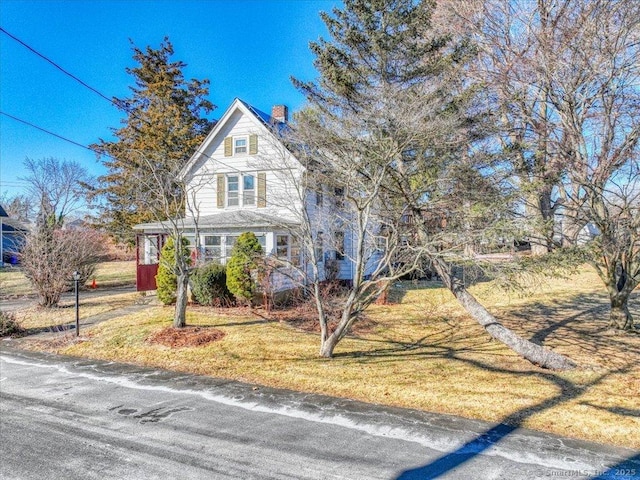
pixel 239 145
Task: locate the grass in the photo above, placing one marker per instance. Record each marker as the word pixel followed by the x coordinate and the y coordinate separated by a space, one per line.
pixel 108 274
pixel 423 353
pixel 37 318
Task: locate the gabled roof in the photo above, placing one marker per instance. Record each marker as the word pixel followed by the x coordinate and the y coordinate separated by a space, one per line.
pixel 263 120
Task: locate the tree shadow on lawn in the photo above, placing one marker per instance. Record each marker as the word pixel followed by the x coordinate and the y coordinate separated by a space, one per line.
pixel 567 391
pixel 578 326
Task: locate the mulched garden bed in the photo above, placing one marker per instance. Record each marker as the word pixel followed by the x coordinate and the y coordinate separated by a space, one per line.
pixel 186 337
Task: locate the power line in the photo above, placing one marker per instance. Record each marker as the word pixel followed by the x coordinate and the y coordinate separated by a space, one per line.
pixel 47 131
pixel 47 59
pixel 117 104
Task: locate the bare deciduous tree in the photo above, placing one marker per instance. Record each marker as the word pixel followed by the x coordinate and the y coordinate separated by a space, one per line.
pixel 566 77
pixel 50 256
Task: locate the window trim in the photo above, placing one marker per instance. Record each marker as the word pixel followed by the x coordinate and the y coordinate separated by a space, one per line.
pixel 237 191
pixel 239 194
pixel 245 146
pixel 253 190
pixel 292 245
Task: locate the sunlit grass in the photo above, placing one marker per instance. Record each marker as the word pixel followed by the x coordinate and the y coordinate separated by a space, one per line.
pixel 35 317
pixel 108 274
pixel 424 353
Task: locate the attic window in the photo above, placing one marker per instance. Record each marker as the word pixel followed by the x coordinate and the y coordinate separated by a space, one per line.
pixel 239 145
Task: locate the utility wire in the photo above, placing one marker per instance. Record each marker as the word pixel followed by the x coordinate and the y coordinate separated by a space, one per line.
pixel 47 59
pixel 47 131
pixel 117 104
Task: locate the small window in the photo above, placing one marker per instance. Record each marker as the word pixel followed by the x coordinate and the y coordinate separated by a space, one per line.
pixel 319 198
pixel 212 248
pixel 232 191
pixel 240 145
pixel 319 250
pixel 282 247
pixel 339 239
pixel 339 196
pixel 295 251
pixel 248 190
pixel 229 242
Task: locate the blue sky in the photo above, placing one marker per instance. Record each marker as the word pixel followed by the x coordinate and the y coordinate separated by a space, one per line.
pixel 246 48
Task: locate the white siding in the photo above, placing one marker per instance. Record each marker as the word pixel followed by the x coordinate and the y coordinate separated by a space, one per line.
pixel 280 167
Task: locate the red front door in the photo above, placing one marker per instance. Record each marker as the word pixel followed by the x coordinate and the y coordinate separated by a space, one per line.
pixel 148 248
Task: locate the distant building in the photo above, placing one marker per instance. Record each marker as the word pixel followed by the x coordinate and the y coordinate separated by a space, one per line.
pixel 12 235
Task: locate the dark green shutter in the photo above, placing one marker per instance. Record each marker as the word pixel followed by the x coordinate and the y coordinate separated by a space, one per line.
pixel 220 190
pixel 262 189
pixel 228 147
pixel 253 144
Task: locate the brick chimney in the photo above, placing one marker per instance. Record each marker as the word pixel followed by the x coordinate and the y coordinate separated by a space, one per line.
pixel 280 113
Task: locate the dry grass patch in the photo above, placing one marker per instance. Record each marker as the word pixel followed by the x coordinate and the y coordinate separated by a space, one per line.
pixel 13 283
pixel 423 353
pixel 37 318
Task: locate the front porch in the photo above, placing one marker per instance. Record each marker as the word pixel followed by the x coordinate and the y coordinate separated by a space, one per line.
pixel 212 239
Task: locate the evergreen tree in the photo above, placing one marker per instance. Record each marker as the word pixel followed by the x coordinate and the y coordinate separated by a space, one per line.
pixel 167 277
pixel 163 127
pixel 241 265
pixel 393 108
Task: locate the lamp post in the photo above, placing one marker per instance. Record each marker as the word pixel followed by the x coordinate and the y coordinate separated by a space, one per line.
pixel 76 280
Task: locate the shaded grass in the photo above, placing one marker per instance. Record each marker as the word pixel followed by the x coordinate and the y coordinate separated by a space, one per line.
pixel 424 353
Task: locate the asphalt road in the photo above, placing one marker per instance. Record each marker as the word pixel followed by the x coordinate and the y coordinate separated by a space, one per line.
pixel 65 418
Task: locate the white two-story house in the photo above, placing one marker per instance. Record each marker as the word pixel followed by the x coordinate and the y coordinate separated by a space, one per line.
pixel 243 178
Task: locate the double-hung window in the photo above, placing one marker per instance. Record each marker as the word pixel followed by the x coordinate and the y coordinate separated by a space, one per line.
pixel 282 247
pixel 241 187
pixel 248 190
pixel 319 247
pixel 230 242
pixel 233 187
pixel 288 249
pixel 239 145
pixel 212 248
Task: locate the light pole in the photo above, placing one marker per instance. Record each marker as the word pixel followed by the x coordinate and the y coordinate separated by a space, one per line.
pixel 76 280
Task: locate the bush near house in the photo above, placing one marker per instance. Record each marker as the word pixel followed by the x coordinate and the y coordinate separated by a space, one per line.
pixel 241 265
pixel 209 285
pixel 166 279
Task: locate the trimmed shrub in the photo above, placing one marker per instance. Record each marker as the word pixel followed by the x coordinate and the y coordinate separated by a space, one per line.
pixel 166 279
pixel 9 326
pixel 243 262
pixel 209 285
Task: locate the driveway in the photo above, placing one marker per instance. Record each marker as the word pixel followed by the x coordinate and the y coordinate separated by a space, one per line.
pixel 62 417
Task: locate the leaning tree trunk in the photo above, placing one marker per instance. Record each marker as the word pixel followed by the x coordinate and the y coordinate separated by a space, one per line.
pixel 532 352
pixel 180 314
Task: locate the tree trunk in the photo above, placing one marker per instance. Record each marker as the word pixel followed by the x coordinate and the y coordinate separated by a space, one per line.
pixel 532 352
pixel 620 317
pixel 180 314
pixel 541 226
pixel 328 345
